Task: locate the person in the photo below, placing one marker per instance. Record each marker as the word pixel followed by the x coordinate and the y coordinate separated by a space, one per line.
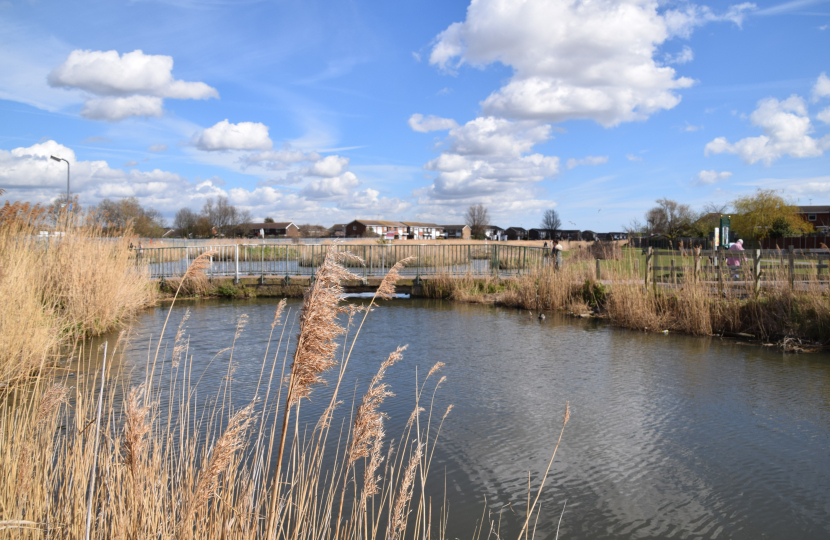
pixel 734 263
pixel 545 244
pixel 556 254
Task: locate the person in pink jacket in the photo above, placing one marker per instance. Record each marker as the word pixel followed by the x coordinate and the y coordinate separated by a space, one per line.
pixel 734 263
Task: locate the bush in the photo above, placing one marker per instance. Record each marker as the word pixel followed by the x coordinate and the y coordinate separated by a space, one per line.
pixel 594 293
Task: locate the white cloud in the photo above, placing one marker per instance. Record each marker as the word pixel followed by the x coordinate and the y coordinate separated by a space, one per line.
pixel 712 177
pixel 690 128
pixel 592 60
pixel 786 128
pixel 157 147
pixel 632 157
pixel 821 88
pixel 824 27
pixel 30 175
pixel 496 138
pixel 684 56
pixel 115 109
pixel 132 84
pixel 334 188
pixel 277 160
pixel 416 57
pixel 681 22
pixel 587 160
pixel 329 166
pixel 226 136
pixel 105 73
pixel 431 123
pixel 131 164
pixel 488 160
pixel 824 115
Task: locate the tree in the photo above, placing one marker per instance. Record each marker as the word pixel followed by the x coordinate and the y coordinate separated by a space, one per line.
pixel 477 218
pixel 756 215
pixel 670 218
pixel 268 220
pixel 125 213
pixel 226 218
pixel 551 221
pixel 185 221
pixel 58 209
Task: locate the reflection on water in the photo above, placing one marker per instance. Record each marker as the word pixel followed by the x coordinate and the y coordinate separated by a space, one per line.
pixel 670 436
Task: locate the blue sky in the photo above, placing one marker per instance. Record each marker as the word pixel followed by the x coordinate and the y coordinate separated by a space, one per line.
pixel 324 112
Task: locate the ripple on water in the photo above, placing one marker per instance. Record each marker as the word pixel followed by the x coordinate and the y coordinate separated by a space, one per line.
pixel 670 436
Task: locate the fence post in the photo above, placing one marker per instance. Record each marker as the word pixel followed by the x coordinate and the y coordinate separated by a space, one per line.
pixel 756 271
pixel 236 265
pixel 418 274
pixel 654 267
pixel 648 265
pixel 696 270
pixel 673 273
pixel 791 253
pixel 496 259
pixel 599 272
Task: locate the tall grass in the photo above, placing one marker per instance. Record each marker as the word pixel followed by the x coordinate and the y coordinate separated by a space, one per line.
pixel 57 291
pixel 697 305
pixel 196 468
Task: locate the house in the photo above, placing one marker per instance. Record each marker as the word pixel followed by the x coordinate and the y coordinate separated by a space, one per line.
pixel 494 232
pixel 590 236
pixel 338 230
pixel 456 231
pixel 540 234
pixel 614 236
pixel 572 235
pixel 272 230
pixel 516 233
pixel 366 227
pixel 422 231
pixel 817 216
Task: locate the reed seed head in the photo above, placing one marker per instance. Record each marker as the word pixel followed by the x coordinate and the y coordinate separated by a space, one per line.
pixel 319 327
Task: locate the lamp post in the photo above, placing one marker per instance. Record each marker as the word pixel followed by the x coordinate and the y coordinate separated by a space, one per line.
pixel 68 200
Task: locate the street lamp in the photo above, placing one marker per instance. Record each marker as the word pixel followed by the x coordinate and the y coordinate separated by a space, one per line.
pixel 68 200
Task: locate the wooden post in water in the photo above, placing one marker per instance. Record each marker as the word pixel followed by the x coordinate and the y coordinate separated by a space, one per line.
pixel 791 254
pixel 648 265
pixel 756 271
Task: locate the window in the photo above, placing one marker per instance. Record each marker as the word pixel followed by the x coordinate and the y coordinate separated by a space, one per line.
pixel 811 217
pixel 354 227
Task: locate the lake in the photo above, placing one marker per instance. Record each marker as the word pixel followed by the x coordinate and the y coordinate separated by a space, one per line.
pixel 670 436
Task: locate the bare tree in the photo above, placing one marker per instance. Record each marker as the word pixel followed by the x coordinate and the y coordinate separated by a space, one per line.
pixel 715 208
pixel 477 218
pixel 126 212
pixel 226 218
pixel 670 218
pixel 185 221
pixel 551 221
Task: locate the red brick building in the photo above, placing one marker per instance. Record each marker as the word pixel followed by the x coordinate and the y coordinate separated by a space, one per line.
pixel 817 216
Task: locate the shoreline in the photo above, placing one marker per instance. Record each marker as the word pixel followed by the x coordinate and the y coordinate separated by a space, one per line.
pixel 276 287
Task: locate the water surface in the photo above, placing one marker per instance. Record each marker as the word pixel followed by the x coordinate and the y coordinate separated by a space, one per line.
pixel 670 436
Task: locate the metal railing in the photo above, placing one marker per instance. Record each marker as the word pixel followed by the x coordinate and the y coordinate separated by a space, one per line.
pixel 246 260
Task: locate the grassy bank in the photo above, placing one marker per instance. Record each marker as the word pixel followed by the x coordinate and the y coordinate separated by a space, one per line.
pixel 57 291
pixel 777 313
pixel 199 467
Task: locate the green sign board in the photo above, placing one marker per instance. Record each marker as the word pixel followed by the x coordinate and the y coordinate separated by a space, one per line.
pixel 724 231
